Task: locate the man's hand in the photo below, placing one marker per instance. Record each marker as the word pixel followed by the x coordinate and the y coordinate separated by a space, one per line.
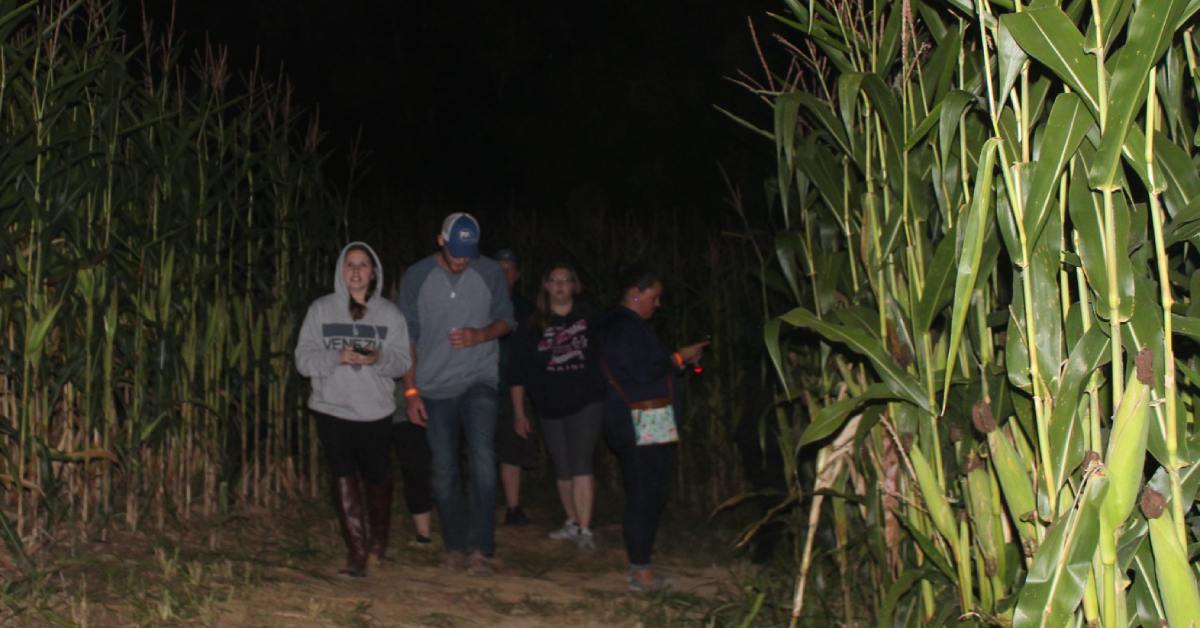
pixel 464 337
pixel 416 411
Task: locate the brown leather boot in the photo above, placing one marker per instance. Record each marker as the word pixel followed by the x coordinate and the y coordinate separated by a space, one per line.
pixel 348 503
pixel 379 517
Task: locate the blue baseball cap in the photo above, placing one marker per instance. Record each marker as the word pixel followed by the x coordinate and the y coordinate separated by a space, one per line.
pixel 460 230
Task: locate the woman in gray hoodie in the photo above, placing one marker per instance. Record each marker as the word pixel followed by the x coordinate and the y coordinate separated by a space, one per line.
pixel 353 344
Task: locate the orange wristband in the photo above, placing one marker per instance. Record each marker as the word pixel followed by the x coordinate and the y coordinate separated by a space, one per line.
pixel 409 393
pixel 678 357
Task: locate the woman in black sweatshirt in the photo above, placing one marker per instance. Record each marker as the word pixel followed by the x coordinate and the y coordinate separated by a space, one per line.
pixel 640 371
pixel 555 362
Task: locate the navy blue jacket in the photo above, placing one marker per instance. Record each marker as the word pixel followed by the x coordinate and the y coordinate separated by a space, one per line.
pixel 639 363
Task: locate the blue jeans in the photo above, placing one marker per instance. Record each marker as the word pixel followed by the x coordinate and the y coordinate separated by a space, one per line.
pixel 467 525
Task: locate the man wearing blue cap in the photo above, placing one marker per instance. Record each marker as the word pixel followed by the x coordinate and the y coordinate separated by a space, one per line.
pixel 456 304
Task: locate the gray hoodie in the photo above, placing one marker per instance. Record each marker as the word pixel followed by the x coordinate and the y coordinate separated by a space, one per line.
pixel 353 392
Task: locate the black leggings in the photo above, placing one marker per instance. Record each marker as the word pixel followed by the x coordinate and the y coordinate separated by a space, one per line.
pixel 416 461
pixel 646 471
pixel 355 448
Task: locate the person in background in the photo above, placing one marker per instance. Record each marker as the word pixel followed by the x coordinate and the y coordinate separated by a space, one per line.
pixel 640 369
pixel 515 450
pixel 353 344
pixel 412 450
pixel 457 306
pixel 555 364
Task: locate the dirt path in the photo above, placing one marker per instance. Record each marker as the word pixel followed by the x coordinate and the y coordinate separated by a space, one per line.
pixel 263 569
pixel 539 582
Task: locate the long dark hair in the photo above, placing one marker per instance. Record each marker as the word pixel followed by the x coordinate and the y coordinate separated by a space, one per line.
pixel 541 312
pixel 359 310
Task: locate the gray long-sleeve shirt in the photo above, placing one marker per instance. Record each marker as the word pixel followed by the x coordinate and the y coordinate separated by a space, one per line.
pixel 435 301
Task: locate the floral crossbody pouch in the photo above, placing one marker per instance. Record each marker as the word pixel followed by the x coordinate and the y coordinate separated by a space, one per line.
pixel 653 419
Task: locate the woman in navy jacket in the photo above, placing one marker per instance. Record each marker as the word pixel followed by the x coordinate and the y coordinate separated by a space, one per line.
pixel 640 368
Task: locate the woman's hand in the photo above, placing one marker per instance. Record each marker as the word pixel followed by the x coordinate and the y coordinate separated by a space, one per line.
pixel 522 426
pixel 691 354
pixel 351 357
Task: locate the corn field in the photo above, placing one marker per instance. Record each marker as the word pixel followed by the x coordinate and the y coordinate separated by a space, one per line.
pixel 991 213
pixel 156 243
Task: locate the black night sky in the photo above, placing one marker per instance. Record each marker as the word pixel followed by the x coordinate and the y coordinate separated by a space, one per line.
pixel 513 104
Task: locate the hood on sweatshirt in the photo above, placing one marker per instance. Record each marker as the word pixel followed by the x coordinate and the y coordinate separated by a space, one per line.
pixel 339 285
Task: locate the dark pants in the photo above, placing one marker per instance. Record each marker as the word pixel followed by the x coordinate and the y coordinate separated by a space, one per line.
pixel 416 462
pixel 646 471
pixel 355 448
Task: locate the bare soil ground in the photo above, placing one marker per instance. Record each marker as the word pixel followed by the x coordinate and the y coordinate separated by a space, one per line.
pixel 281 570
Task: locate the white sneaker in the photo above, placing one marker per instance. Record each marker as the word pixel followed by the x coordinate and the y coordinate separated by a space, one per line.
pixel 568 532
pixel 586 540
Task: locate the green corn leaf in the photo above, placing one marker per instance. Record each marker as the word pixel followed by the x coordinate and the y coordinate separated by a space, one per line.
pixel 1115 14
pixel 926 125
pixel 1016 347
pixel 1066 423
pixel 939 71
pixel 1087 217
pixel 952 107
pixel 787 106
pixel 1010 58
pixel 889 44
pixel 933 553
pixel 831 417
pixel 36 338
pixel 1145 331
pixel 750 126
pixel 897 589
pixel 786 246
pixel 1178 176
pixel 848 87
pixel 1048 35
pixel 165 282
pixel 937 293
pixel 975 226
pixel 826 174
pixel 771 340
pixel 1043 272
pixel 1144 599
pixel 1054 585
pixel 823 114
pixel 1150 31
pixel 900 382
pixel 1065 129
pixel 884 102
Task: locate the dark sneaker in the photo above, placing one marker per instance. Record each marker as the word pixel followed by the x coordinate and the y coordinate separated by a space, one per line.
pixel 516 517
pixel 454 561
pixel 422 543
pixel 480 565
pixel 654 585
